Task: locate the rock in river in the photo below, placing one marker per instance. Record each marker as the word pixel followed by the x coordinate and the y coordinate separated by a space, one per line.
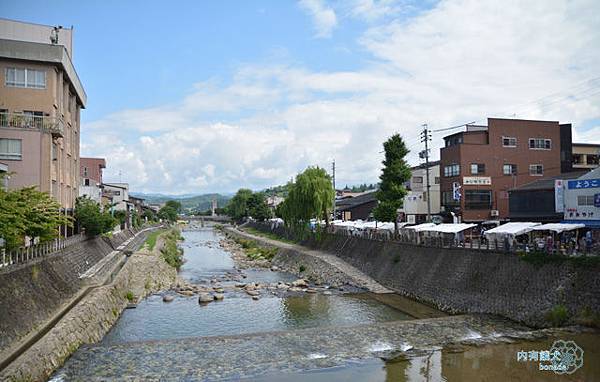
pixel 218 296
pixel 205 298
pixel 255 298
pixel 274 268
pixel 168 298
pixel 300 283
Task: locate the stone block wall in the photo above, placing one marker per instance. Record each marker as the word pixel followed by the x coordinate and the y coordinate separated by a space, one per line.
pixel 32 292
pixel 470 281
pixel 89 320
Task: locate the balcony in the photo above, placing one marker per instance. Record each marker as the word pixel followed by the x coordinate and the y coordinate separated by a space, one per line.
pixel 52 125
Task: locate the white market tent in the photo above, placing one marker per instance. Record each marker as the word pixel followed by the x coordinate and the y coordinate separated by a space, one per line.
pixel 420 227
pixel 558 227
pixel 510 229
pixel 449 227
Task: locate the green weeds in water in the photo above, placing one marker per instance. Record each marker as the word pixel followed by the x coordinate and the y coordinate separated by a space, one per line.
pixel 302 268
pixel 129 296
pixel 254 251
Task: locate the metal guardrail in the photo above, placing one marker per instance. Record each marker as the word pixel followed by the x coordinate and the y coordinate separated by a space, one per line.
pixel 53 125
pixel 25 254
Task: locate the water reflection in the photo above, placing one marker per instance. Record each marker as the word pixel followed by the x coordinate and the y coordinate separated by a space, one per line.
pixel 491 363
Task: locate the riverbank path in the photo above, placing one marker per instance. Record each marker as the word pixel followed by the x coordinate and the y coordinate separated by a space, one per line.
pixel 359 277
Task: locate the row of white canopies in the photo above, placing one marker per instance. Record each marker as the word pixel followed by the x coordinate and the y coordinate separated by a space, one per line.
pixel 511 229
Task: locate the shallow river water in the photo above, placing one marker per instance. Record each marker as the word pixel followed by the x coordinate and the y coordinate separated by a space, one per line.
pixel 153 320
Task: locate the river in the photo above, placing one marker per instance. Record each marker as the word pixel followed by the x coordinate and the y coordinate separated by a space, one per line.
pixel 188 336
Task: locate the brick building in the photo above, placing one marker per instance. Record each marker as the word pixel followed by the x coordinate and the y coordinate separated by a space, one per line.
pixel 484 162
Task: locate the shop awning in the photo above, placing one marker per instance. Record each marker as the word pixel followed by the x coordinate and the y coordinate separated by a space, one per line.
pixel 449 227
pixel 514 229
pixel 587 223
pixel 420 227
pixel 558 227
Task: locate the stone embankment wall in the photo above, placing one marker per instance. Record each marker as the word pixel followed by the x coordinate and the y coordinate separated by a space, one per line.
pixel 32 292
pixel 144 273
pixel 470 281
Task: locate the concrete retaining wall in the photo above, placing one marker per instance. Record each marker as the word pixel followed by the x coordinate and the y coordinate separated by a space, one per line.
pixel 92 318
pixel 469 281
pixel 32 292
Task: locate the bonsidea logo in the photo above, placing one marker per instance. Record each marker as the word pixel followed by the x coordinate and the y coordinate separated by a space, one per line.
pixel 564 357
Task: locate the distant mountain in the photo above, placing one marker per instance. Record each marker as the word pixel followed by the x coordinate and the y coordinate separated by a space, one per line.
pixel 188 202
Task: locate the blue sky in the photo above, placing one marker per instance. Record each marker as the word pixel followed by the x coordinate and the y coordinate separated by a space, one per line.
pixel 194 97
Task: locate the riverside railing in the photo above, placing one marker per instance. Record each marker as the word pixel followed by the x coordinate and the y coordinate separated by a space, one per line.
pixel 22 255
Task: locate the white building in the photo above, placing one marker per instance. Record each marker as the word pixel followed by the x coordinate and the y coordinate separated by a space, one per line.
pixel 414 208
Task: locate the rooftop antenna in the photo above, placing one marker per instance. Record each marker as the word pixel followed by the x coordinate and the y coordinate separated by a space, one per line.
pixel 54 34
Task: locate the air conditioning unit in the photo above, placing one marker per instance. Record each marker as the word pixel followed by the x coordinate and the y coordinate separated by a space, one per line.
pixel 494 213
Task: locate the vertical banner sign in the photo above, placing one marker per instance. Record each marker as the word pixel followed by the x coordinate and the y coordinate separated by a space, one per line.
pixel 559 196
pixel 456 191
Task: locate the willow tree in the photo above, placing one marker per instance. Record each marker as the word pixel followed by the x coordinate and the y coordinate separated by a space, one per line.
pixel 310 197
pixel 393 176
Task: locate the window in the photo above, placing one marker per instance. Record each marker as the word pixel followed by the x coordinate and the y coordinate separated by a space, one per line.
pixel 453 141
pixel 452 170
pixel 417 179
pixel 10 149
pixel 577 159
pixel 477 168
pixel 592 159
pixel 509 169
pixel 540 143
pixel 85 171
pixel 86 182
pixel 478 200
pixel 509 142
pixel 25 78
pixel 536 169
pixel 448 199
pixel 437 180
pixel 585 200
pixel 117 193
pixel 425 196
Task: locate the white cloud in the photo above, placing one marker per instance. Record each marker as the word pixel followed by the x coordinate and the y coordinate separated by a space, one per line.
pixel 323 17
pixel 459 62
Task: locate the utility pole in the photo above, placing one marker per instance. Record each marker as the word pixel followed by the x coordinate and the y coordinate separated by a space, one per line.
pixel 334 191
pixel 426 137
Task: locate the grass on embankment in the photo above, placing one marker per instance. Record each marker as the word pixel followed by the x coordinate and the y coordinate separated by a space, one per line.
pixel 268 235
pixel 170 252
pixel 151 239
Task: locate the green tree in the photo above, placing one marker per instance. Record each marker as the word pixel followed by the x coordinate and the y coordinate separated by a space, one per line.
pixel 92 218
pixel 168 213
pixel 394 174
pixel 174 204
pixel 29 212
pixel 257 206
pixel 237 208
pixel 310 196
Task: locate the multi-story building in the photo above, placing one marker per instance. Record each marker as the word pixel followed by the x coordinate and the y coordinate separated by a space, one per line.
pixel 479 165
pixel 40 101
pixel 586 156
pixel 415 207
pixel 90 174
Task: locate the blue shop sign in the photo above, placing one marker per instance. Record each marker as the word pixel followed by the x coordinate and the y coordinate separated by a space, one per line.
pixel 583 183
